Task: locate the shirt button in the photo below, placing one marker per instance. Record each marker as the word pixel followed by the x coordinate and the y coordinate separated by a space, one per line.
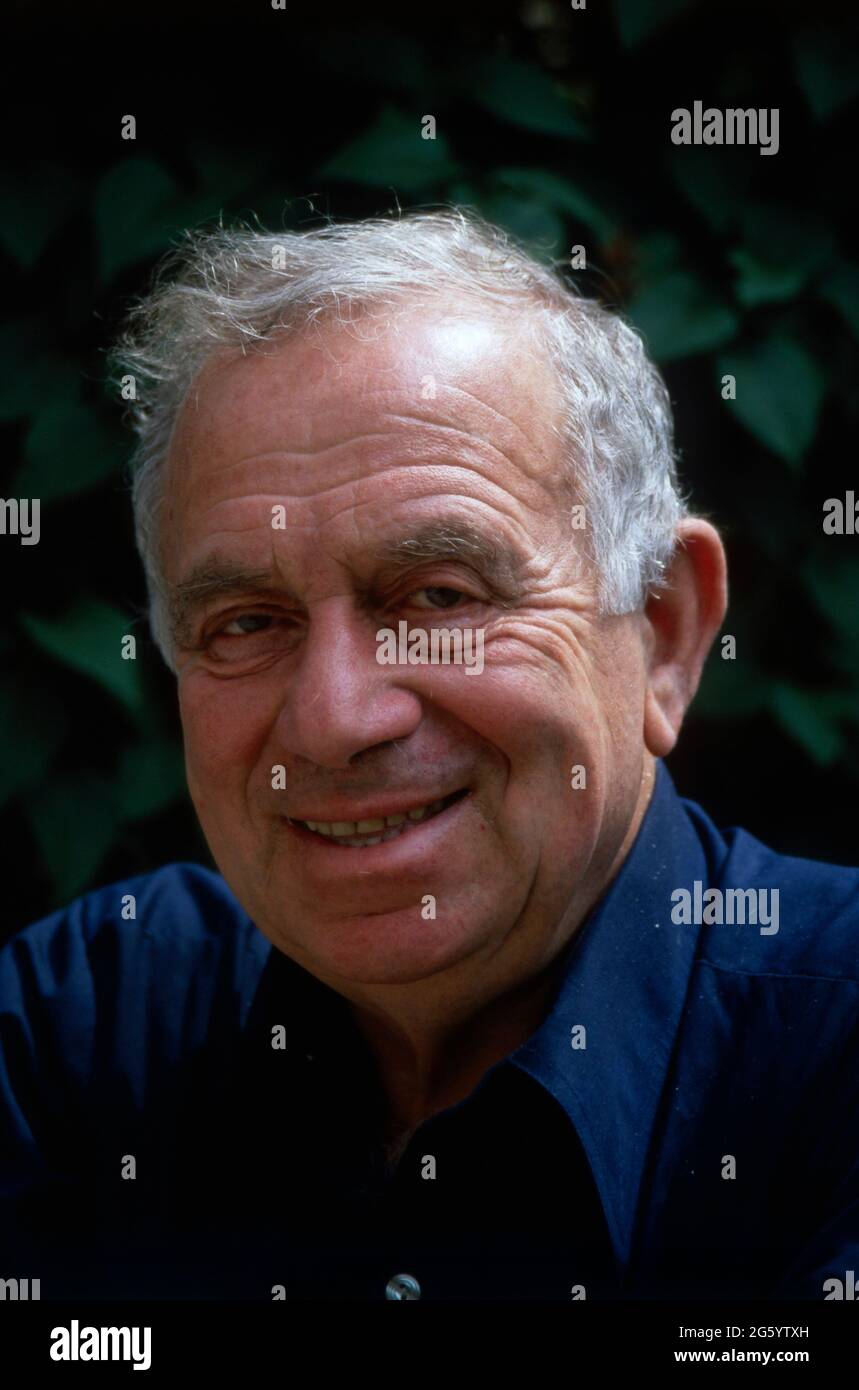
pixel 403 1286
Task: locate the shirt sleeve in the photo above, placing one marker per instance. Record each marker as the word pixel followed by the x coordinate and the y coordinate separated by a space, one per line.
pixel 47 1037
pixel 102 1004
pixel 827 1265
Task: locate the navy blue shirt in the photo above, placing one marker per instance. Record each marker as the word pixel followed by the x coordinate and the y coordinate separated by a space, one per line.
pixel 684 1122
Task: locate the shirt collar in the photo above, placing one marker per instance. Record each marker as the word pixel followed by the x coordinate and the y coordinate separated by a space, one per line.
pixel 626 983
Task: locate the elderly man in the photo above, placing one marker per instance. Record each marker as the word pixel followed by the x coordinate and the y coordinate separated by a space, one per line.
pixel 476 1006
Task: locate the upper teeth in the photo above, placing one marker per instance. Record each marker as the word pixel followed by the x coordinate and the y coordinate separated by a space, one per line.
pixel 367 827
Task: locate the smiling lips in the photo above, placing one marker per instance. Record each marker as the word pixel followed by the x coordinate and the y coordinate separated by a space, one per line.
pixel 378 829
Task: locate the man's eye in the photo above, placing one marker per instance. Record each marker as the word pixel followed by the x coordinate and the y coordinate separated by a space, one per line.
pixel 440 596
pixel 246 623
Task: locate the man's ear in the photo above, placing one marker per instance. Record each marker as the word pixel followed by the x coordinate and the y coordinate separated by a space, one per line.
pixel 681 621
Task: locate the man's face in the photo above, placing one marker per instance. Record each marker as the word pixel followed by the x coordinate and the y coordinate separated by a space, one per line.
pixel 434 421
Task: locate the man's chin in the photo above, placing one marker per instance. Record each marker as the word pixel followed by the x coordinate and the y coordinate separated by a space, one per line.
pixel 395 947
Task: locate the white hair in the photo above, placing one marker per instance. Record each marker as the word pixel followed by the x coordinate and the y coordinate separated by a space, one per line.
pixel 237 287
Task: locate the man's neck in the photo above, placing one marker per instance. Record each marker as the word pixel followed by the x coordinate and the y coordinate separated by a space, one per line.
pixel 432 1055
pixel 421 1075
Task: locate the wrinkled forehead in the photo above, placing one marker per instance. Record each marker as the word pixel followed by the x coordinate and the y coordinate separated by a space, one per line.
pixel 484 373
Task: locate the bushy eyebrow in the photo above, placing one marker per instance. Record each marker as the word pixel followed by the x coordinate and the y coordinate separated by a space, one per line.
pixel 457 540
pixel 501 565
pixel 206 581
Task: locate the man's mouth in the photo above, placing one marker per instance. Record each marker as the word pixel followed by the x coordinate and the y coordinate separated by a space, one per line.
pixel 379 829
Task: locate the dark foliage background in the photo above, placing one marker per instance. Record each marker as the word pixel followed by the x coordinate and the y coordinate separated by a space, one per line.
pixel 552 121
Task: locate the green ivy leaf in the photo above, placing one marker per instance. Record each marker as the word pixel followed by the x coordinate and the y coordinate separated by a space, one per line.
pixel 657 253
pixel 827 68
pixel 805 717
pixel 132 214
pixel 760 283
pixel 525 96
pixel 32 727
pixel 393 153
pixel 29 378
pixel 712 180
pixel 637 21
pixel 151 775
pixel 227 171
pixel 68 450
pixel 88 638
pixel 34 211
pixel 779 392
pixel 557 193
pixel 74 820
pixel 841 289
pixel 783 249
pixel 528 219
pixel 833 585
pixel 680 316
pixel 729 689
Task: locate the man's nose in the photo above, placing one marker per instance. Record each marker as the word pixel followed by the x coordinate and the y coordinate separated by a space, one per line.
pixel 339 701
